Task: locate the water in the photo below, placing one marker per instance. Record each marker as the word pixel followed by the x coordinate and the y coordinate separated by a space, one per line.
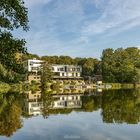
pixel 107 115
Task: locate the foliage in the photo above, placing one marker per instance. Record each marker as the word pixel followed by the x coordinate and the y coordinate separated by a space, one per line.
pixel 13 16
pixel 30 56
pixel 88 64
pixel 121 65
pixel 121 106
pixel 10 111
pixel 9 47
pixel 4 88
pixel 9 76
pixel 91 103
pixel 55 86
pixel 46 75
pixel 34 86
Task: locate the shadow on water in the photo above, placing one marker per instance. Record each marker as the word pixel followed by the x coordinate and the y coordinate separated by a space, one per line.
pixel 116 106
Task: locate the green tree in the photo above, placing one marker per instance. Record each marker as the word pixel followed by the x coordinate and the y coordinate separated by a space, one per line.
pixel 46 75
pixel 121 65
pixel 13 16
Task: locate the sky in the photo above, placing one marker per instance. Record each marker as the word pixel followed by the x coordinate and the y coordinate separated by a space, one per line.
pixel 81 28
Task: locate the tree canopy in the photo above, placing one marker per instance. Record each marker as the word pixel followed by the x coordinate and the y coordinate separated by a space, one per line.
pixel 13 15
pixel 121 65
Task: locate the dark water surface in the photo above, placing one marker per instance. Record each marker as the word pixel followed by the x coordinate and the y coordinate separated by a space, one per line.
pixel 107 115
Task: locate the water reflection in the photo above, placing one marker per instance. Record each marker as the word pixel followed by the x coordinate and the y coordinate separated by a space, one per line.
pixel 115 106
pixel 66 101
pixel 10 112
pixel 121 106
pixel 32 104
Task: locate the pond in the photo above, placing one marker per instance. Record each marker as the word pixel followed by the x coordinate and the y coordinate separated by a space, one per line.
pixel 97 115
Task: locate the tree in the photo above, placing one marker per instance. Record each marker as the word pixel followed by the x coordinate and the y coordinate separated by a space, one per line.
pixel 121 65
pixel 107 65
pixel 13 16
pixel 46 75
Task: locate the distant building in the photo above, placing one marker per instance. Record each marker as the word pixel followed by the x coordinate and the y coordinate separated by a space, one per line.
pixel 33 65
pixel 66 71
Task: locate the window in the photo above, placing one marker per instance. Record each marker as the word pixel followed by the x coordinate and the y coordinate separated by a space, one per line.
pixel 34 68
pixel 63 74
pixel 78 69
pixel 61 69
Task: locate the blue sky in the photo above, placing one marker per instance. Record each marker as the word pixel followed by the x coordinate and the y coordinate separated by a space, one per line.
pixel 81 28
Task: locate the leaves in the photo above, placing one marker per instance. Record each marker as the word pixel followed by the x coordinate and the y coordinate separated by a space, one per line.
pixel 13 14
pixel 120 65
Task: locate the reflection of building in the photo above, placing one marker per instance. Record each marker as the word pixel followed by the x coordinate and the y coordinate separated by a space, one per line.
pixel 69 90
pixel 66 101
pixel 66 71
pixel 33 108
pixel 33 104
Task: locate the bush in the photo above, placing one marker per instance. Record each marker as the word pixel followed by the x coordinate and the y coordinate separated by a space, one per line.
pixel 4 88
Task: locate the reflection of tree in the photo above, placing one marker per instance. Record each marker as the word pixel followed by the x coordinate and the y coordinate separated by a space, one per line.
pixel 47 100
pixel 91 103
pixel 10 112
pixel 121 106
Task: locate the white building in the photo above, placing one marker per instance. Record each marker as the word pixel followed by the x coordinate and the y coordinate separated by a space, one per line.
pixel 33 65
pixel 68 71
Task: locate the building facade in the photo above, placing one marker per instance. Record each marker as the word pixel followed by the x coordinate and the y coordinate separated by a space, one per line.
pixel 34 66
pixel 66 71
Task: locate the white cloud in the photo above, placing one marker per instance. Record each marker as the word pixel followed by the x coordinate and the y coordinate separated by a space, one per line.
pixel 67 26
pixel 117 14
